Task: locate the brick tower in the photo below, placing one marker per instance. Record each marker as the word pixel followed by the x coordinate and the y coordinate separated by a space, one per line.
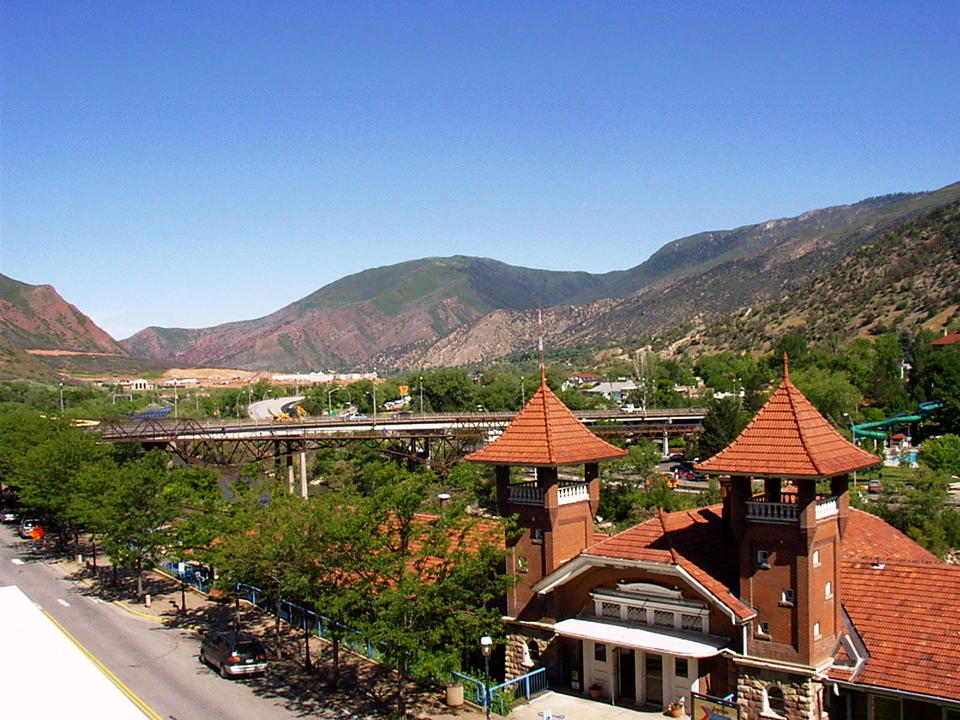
pixel 555 515
pixel 788 531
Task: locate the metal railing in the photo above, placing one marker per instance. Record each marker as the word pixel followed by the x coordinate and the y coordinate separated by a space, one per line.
pixel 502 697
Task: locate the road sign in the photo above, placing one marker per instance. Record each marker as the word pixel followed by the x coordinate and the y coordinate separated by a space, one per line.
pixel 709 708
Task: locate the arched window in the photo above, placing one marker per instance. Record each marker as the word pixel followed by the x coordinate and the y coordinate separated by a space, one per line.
pixel 773 700
pixel 531 653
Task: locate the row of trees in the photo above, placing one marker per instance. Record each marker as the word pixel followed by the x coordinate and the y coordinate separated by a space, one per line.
pixel 378 558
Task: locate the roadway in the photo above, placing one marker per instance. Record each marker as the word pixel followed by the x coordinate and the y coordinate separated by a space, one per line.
pixel 158 663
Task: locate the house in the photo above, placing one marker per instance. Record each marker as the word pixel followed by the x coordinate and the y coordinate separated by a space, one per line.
pixel 782 597
pixel 616 390
pixel 949 339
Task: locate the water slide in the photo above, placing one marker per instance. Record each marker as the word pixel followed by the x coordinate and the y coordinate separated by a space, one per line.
pixel 864 429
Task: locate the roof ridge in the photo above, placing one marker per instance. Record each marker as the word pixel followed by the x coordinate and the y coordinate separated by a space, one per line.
pixel 793 411
pixel 662 516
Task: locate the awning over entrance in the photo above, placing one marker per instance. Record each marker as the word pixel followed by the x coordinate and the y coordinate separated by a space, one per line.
pixel 634 637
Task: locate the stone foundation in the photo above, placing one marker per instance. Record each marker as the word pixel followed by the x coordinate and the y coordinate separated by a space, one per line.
pixel 756 688
pixel 519 660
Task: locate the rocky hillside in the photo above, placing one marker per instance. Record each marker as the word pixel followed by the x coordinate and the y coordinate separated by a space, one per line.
pixel 448 311
pixel 36 317
pixel 906 279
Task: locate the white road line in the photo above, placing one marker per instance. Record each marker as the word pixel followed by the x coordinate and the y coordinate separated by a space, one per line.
pixel 16 561
pixel 94 599
pixel 63 602
pixel 39 606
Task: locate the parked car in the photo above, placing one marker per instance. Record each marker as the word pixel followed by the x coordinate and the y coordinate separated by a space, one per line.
pixel 233 654
pixel 26 527
pixel 9 516
pixel 874 486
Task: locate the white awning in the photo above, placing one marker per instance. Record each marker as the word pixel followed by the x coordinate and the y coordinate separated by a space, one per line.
pixel 690 646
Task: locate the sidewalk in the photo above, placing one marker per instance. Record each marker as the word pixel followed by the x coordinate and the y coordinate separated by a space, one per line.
pixel 367 688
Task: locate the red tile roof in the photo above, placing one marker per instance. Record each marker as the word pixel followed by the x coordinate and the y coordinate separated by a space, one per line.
pixel 867 537
pixel 908 615
pixel 788 438
pixel 546 433
pixel 947 339
pixel 694 540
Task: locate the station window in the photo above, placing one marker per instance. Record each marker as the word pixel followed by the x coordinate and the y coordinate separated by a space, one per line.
pixel 816 558
pixel 816 630
pixel 763 558
pixel 828 590
pixel 599 652
pixel 536 535
pixel 787 597
pixel 680 668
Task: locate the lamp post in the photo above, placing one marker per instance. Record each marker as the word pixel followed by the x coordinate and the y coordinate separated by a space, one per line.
pixel 329 406
pixel 421 394
pixel 61 398
pixel 853 439
pixel 486 647
pixel 523 397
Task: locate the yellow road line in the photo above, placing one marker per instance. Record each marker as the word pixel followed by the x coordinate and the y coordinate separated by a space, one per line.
pixel 141 705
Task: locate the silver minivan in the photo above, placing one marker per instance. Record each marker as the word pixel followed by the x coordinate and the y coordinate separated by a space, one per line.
pixel 233 654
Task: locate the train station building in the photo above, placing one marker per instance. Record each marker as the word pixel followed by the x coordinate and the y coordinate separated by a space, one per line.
pixel 782 598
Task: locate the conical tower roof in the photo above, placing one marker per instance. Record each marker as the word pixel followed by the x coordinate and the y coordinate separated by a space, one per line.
pixel 545 433
pixel 788 438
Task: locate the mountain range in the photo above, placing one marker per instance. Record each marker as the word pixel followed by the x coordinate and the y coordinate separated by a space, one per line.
pixel 458 310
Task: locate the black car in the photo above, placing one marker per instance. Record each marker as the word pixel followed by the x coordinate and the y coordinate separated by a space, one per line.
pixel 233 654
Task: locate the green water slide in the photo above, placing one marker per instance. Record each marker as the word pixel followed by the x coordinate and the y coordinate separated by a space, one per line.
pixel 865 429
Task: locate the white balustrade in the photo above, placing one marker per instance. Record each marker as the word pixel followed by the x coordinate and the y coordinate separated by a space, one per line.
pixel 573 493
pixel 827 507
pixel 772 512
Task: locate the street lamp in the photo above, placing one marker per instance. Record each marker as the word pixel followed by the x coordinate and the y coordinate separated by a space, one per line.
pixel 523 397
pixel 329 406
pixel 421 394
pixel 374 396
pixel 61 398
pixel 486 647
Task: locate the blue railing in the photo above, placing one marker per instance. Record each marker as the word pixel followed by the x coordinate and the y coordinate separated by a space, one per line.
pixel 500 697
pixel 474 690
pixel 192 575
pixel 296 616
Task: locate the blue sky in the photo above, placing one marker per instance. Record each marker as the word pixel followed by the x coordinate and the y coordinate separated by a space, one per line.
pixel 185 164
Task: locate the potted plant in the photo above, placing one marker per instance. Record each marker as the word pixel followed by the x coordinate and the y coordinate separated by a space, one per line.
pixel 675 709
pixel 594 691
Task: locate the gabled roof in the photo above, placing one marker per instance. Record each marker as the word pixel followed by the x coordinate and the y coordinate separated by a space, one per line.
pixel 694 540
pixel 788 438
pixel 545 433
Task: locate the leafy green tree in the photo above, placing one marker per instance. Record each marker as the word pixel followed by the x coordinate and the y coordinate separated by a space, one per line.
pixel 942 454
pixel 439 579
pixel 139 507
pixel 830 392
pixel 885 385
pixel 258 544
pixel 47 477
pixel 329 567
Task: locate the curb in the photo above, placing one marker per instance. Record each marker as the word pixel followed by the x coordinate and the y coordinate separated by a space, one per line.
pixel 122 604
